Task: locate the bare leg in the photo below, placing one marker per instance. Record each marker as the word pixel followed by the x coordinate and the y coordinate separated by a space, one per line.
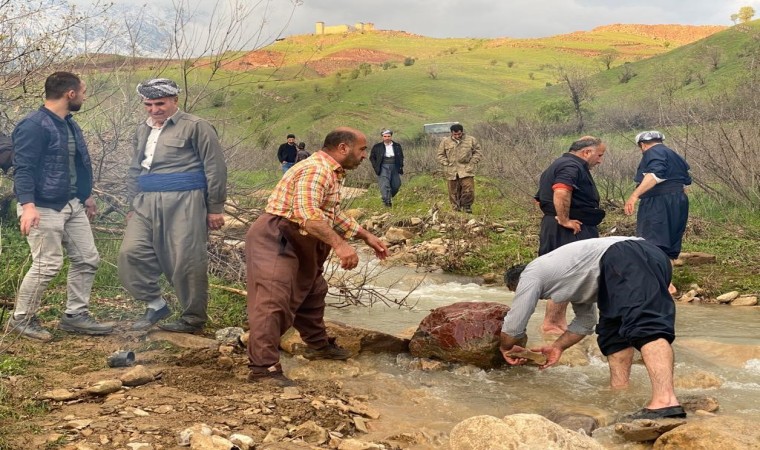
pixel 620 368
pixel 658 359
pixel 555 321
pixel 672 288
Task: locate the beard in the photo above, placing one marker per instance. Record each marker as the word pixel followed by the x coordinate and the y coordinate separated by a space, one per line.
pixel 74 107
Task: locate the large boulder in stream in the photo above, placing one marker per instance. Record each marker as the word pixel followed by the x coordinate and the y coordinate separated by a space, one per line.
pixel 464 332
pixel 714 433
pixel 518 431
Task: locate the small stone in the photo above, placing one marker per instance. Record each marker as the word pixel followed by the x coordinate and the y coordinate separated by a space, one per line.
pixel 225 363
pixel 360 424
pixel 139 446
pixel 275 435
pixel 52 437
pixel 310 432
pixel 203 442
pixel 104 387
pixel 78 424
pixel 242 441
pixel 744 300
pixel 229 336
pixel 727 297
pixel 79 370
pixel 163 409
pixel 137 376
pixel 290 393
pixel 138 412
pixel 59 395
pixel 183 439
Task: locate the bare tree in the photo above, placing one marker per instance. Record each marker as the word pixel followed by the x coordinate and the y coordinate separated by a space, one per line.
pixel 578 86
pixel 608 56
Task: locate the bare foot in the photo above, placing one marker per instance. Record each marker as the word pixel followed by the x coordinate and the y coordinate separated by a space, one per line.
pixel 552 329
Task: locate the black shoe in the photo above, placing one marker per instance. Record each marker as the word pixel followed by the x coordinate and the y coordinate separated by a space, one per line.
pixel 670 412
pixel 467 209
pixel 151 317
pixel 272 374
pixel 388 204
pixel 329 351
pixel 180 326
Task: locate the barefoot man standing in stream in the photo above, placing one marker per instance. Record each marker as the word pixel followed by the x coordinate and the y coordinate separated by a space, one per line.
pixel 627 278
pixel 285 252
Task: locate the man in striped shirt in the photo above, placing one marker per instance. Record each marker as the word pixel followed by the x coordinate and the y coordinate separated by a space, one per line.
pixel 286 249
pixel 627 278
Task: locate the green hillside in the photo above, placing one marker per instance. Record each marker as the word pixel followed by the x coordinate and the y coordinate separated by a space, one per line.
pixel 307 84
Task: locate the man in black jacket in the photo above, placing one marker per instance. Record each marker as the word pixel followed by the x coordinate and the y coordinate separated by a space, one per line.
pixel 387 159
pixel 287 153
pixel 53 184
pixel 569 200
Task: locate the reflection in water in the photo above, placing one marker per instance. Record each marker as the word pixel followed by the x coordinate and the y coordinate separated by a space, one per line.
pixel 438 400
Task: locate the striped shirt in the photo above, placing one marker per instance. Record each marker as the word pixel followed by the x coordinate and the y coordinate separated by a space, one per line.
pixel 567 274
pixel 310 190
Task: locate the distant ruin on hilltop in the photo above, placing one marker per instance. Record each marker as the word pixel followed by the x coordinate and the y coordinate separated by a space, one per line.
pixel 320 28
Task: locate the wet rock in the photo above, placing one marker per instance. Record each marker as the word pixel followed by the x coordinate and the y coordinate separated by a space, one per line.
pixel 356 339
pixel 59 395
pixel 694 403
pixel 464 332
pixel 727 297
pixel 243 441
pixel 527 431
pixel 137 376
pixel 310 432
pixel 698 379
pixel 229 336
pixel 105 387
pixel 647 430
pixel 735 355
pixel 745 300
pixel 574 421
pixel 396 235
pixel 714 433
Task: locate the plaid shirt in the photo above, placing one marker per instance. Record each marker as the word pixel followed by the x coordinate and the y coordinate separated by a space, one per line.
pixel 310 190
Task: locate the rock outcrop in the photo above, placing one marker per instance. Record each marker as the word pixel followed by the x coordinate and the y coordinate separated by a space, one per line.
pixel 714 433
pixel 464 332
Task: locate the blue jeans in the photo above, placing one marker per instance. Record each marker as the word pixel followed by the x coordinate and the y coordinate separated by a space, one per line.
pixel 286 166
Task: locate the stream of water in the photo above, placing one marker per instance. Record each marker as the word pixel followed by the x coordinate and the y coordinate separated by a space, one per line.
pixel 437 400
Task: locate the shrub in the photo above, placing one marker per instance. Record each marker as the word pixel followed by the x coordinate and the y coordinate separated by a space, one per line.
pixel 409 61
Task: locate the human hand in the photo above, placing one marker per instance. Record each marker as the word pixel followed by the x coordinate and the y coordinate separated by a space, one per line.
pixel 630 204
pixel 381 250
pixel 552 353
pixel 214 221
pixel 400 171
pixel 30 218
pixel 347 255
pixel 571 224
pixel 511 360
pixel 90 208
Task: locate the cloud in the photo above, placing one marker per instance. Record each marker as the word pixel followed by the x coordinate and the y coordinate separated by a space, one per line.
pixel 473 18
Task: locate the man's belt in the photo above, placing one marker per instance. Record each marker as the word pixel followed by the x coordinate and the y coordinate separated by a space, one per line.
pixel 169 182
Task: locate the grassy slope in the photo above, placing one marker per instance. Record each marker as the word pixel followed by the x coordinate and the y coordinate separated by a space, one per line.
pixel 472 75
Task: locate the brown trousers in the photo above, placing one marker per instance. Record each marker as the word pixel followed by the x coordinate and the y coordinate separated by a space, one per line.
pixel 462 192
pixel 285 287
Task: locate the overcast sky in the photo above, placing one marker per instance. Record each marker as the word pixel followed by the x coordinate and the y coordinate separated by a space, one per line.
pixel 479 18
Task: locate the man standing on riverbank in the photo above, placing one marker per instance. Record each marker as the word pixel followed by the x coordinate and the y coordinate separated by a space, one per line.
pixel 176 187
pixel 459 155
pixel 285 252
pixel 53 185
pixel 662 177
pixel 568 197
pixel 387 158
pixel 627 278
pixel 287 153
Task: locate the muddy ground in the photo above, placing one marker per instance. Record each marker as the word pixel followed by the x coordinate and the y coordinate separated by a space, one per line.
pixel 191 386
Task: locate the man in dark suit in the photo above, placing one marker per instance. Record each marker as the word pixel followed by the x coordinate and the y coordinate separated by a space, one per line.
pixel 387 159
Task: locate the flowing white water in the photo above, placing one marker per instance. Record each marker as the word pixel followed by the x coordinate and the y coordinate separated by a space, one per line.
pixel 719 340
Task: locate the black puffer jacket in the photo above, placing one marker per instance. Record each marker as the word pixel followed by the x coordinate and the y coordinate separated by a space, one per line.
pixel 41 158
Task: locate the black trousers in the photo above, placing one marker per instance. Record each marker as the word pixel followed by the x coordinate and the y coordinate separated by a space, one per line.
pixel 635 306
pixel 553 235
pixel 661 220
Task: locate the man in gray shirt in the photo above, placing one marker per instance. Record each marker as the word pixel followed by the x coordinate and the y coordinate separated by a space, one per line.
pixel 628 279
